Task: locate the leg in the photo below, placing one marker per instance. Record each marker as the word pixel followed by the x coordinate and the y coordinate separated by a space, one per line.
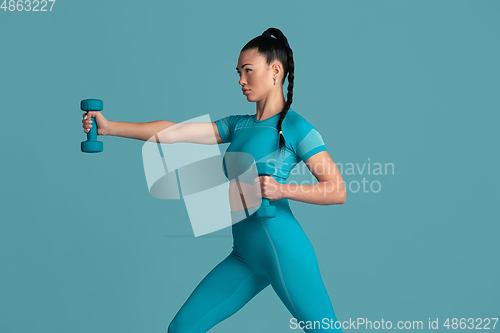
pixel 295 276
pixel 221 293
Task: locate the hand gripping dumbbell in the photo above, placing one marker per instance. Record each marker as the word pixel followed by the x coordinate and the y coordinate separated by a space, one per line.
pixel 92 145
pixel 265 210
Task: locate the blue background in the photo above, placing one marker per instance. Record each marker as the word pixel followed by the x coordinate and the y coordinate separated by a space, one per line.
pixel 84 247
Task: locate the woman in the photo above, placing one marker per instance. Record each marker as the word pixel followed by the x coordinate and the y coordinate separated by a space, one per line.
pixel 273 251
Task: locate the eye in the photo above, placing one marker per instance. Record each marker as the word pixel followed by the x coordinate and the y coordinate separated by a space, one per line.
pixel 247 69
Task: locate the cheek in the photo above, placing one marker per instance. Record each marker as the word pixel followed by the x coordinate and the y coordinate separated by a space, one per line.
pixel 261 82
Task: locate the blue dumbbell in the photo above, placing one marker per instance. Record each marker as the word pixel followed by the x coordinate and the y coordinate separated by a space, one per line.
pixel 265 210
pixel 92 145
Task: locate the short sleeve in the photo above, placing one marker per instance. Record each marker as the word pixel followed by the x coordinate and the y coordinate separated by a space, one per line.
pixel 226 126
pixel 307 141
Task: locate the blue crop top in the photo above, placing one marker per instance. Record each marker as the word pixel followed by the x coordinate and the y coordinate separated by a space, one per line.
pixel 260 139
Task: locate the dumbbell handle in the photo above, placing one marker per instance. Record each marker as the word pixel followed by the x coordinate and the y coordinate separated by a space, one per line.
pixel 266 210
pixel 92 145
pixel 92 134
pixel 265 201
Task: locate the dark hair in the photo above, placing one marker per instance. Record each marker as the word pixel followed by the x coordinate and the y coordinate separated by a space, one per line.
pixel 276 49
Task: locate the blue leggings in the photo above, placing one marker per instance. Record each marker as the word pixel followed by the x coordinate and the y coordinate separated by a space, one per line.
pixel 265 251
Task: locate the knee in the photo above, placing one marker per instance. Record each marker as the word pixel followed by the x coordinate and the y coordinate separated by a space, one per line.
pixel 177 327
pixel 173 328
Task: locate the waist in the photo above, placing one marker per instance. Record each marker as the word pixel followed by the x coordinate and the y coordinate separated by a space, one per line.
pixel 281 204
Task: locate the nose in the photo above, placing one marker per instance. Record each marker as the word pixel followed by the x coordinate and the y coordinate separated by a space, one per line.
pixel 242 81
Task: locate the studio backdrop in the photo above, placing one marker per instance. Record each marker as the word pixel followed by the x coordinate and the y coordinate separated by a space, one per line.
pixel 403 93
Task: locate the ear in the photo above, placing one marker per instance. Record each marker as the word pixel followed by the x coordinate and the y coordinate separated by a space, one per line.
pixel 277 69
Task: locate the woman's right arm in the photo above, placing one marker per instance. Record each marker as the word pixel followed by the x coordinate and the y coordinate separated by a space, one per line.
pixel 162 131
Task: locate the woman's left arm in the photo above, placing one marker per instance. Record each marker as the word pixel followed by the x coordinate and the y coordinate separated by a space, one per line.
pixel 329 190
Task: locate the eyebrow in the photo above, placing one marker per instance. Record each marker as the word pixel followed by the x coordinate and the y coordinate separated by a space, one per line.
pixel 242 66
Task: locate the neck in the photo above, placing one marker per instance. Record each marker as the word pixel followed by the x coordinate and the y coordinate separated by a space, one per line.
pixel 270 105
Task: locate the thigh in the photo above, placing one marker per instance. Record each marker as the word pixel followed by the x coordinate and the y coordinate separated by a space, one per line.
pixel 294 273
pixel 221 293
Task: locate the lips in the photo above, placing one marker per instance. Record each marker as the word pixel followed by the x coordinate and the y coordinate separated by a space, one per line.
pixel 245 90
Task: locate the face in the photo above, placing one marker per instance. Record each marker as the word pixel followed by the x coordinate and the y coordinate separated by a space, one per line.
pixel 256 76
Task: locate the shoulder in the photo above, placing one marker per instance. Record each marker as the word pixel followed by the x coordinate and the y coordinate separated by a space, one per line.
pixel 297 125
pixel 303 137
pixel 237 117
pixel 232 120
pixel 234 117
pixel 228 124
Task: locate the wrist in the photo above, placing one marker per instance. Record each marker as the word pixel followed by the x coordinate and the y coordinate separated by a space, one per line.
pixel 286 191
pixel 110 128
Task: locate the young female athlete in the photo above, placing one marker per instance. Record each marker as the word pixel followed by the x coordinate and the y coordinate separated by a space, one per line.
pixel 273 251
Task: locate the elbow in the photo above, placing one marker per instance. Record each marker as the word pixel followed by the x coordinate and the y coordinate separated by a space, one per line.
pixel 166 136
pixel 344 197
pixel 340 198
pixel 336 194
